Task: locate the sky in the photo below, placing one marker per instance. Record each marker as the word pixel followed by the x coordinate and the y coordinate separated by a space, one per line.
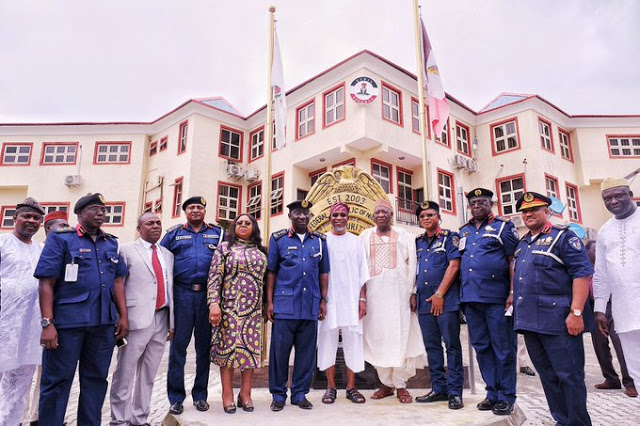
pixel 135 60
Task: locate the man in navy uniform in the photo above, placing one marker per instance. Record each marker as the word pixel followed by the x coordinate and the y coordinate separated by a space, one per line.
pixel 192 245
pixel 438 305
pixel 81 286
pixel 551 286
pixel 297 278
pixel 487 244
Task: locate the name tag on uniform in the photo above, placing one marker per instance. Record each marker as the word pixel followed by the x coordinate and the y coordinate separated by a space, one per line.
pixel 210 236
pixel 71 272
pixel 462 244
pixel 292 248
pixel 84 250
pixel 183 237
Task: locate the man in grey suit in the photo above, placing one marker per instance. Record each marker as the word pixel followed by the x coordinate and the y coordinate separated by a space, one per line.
pixel 149 298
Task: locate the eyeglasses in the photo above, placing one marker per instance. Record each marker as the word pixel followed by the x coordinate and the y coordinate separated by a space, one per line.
pixel 338 215
pixel 479 203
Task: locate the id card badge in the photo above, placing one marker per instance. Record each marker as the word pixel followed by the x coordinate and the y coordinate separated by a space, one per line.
pixel 71 272
pixel 462 244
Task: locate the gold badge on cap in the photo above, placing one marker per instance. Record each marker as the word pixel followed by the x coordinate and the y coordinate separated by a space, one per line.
pixel 304 204
pixel 424 205
pixel 528 197
pixel 478 192
pixel 203 201
pixel 101 198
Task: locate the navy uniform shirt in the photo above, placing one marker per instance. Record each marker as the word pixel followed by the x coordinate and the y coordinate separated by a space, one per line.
pixel 484 268
pixel 297 265
pixel 89 300
pixel 192 251
pixel 434 255
pixel 544 269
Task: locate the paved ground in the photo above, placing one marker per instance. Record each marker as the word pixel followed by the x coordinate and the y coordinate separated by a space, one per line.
pixel 607 408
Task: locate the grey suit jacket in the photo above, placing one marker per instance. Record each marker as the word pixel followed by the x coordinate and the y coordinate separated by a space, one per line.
pixel 141 286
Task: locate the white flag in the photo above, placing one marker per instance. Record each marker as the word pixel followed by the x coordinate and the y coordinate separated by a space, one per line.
pixel 279 101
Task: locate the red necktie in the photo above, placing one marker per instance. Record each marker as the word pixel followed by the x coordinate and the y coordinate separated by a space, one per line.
pixel 157 270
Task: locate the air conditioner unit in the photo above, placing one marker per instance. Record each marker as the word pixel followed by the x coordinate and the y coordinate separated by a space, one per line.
pixel 459 162
pixel 517 221
pixel 472 165
pixel 72 180
pixel 234 170
pixel 251 175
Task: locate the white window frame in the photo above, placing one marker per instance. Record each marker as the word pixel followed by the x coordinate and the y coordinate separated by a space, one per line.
pixel 391 103
pixel 183 131
pixel 113 212
pixel 444 136
pixel 230 145
pixel 122 153
pixel 509 197
pixel 59 150
pixel 551 186
pixel 572 203
pixel 277 190
pixel 565 145
pixel 257 144
pixel 254 204
pixel 506 137
pixel 7 217
pixel 385 182
pixel 445 192
pixel 624 146
pixel 226 200
pixel 334 106
pixel 405 185
pixel 462 141
pixel 545 135
pixel 415 116
pixel 306 120
pixel 21 156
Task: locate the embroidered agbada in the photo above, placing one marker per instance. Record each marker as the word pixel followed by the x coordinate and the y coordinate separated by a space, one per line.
pixel 392 335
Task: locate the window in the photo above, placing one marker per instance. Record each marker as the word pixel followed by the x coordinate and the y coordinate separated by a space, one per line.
pixel 228 201
pixel 573 203
pixel 505 136
pixel 462 139
pixel 382 173
pixel 419 195
pixel 624 146
pixel 114 214
pixel 551 185
pixel 565 145
pixel 257 144
pixel 301 194
pixel 349 162
pixel 277 189
pixel 230 143
pixel 164 142
pixel 254 202
pixel 182 137
pixel 444 136
pixel 112 153
pixel 59 153
pixel 509 190
pixel 55 207
pixel 158 206
pixel 546 141
pixel 16 154
pixel 415 116
pixel 445 191
pixel 148 206
pixel 274 145
pixel 177 197
pixel 315 175
pixel 405 189
pixel 333 106
pixel 153 148
pixel 306 120
pixel 7 216
pixel 391 104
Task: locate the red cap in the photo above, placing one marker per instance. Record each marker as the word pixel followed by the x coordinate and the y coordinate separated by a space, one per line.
pixel 56 215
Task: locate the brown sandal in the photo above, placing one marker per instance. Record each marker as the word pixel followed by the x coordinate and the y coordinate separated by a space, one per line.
pixel 383 392
pixel 404 396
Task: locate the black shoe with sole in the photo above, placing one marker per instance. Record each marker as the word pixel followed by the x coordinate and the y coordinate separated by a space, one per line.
pixel 201 405
pixel 432 397
pixel 277 405
pixel 176 408
pixel 455 402
pixel 486 404
pixel 304 404
pixel 502 408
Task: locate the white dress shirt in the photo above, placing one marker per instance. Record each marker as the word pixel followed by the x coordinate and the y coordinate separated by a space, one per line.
pixel 147 245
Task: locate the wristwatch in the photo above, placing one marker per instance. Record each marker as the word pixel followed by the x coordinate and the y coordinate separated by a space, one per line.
pixel 324 299
pixel 46 322
pixel 439 294
pixel 576 312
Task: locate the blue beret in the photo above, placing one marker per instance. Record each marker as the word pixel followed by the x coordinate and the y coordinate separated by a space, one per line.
pixel 426 205
pixel 88 200
pixel 479 192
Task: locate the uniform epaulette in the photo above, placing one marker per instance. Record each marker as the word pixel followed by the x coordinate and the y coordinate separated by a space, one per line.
pixel 65 229
pixel 279 234
pixel 503 218
pixel 173 228
pixel 445 232
pixel 561 226
pixel 110 235
pixel 319 235
pixel 213 225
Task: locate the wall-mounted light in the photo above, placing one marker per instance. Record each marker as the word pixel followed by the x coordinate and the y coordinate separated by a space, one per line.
pixel 322 160
pixel 401 157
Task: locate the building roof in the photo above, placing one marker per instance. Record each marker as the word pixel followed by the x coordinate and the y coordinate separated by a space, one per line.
pixel 504 99
pixel 219 103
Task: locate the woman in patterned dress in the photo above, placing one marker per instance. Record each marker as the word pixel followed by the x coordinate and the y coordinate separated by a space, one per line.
pixel 234 296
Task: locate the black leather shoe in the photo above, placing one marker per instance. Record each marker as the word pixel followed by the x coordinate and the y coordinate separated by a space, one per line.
pixel 304 404
pixel 502 408
pixel 176 408
pixel 201 405
pixel 432 397
pixel 486 404
pixel 277 405
pixel 455 402
pixel 528 371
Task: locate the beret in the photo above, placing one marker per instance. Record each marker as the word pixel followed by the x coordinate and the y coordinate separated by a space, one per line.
pixel 426 205
pixel 88 200
pixel 303 204
pixel 194 200
pixel 58 214
pixel 479 192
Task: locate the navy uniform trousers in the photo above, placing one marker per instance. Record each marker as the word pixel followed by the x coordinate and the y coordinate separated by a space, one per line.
pixel 93 347
pixel 285 335
pixel 435 330
pixel 559 360
pixel 191 315
pixel 495 343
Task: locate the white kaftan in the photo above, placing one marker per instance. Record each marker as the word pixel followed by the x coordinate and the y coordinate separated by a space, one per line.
pixel 349 271
pixel 392 336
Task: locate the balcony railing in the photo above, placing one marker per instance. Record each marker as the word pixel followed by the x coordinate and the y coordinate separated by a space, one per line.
pixel 406 212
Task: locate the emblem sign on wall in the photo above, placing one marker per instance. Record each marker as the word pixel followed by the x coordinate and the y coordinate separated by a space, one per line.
pixel 363 90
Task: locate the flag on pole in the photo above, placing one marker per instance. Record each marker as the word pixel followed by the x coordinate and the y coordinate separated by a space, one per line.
pixel 436 100
pixel 279 101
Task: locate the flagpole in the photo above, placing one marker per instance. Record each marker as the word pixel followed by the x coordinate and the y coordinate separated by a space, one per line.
pixel 422 113
pixel 268 134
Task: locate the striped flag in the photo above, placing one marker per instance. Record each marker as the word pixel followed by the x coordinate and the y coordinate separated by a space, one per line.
pixel 436 100
pixel 279 101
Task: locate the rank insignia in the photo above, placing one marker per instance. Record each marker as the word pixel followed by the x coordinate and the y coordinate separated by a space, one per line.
pixel 575 243
pixel 455 240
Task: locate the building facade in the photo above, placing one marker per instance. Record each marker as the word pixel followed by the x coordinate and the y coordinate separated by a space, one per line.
pixel 206 147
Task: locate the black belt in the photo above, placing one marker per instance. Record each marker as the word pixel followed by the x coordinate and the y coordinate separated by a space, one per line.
pixel 194 287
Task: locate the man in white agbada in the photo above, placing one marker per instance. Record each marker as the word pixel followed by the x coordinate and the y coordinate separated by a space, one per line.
pixel 345 307
pixel 617 270
pixel 392 338
pixel 20 329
